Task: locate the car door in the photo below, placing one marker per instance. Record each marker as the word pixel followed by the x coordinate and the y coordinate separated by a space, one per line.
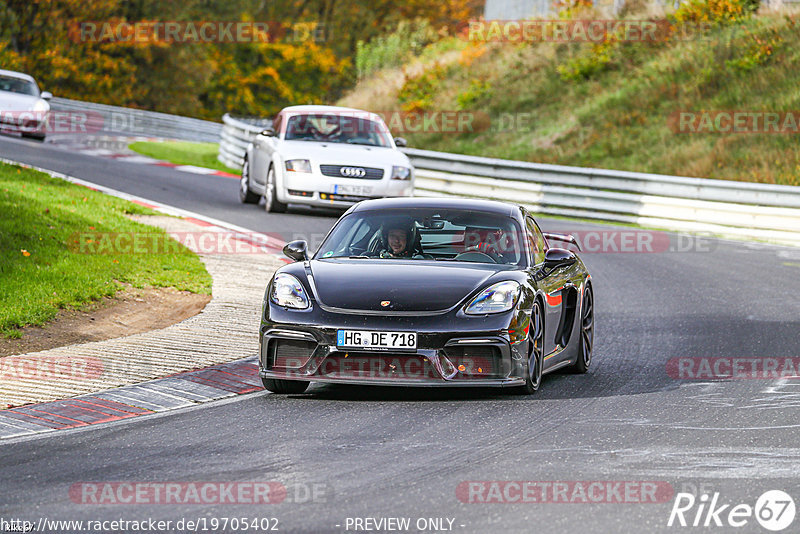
pixel 554 284
pixel 264 150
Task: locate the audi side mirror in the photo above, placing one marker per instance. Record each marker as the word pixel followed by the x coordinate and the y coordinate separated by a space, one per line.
pixel 46 95
pixel 296 250
pixel 558 257
pixel 400 142
pixel 269 132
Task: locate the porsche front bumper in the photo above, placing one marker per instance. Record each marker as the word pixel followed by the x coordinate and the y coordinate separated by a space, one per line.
pixel 442 358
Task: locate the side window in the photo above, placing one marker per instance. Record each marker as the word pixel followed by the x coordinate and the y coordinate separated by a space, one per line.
pixel 536 242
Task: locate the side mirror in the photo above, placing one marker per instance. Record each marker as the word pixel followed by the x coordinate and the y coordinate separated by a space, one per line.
pixel 297 250
pixel 269 132
pixel 401 142
pixel 46 95
pixel 558 257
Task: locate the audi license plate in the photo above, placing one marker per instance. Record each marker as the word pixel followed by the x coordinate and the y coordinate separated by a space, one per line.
pixel 358 190
pixel 363 339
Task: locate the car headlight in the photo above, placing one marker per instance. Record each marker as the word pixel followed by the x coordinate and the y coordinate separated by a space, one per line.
pixel 298 165
pixel 496 298
pixel 40 106
pixel 288 291
pixel 401 173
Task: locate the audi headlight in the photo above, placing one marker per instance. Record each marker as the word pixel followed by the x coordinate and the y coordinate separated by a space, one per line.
pixel 40 106
pixel 288 291
pixel 298 165
pixel 401 173
pixel 496 298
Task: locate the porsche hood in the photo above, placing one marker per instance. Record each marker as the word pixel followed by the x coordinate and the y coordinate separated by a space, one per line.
pixel 367 284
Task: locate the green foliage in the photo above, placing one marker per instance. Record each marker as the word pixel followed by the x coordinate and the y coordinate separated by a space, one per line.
pixel 759 51
pixel 716 12
pixel 478 90
pixel 586 64
pixel 418 91
pixel 407 40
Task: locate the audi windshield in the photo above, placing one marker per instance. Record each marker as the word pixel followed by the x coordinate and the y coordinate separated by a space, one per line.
pixel 337 128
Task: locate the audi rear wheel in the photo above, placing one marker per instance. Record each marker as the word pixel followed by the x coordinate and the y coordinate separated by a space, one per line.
pixel 245 195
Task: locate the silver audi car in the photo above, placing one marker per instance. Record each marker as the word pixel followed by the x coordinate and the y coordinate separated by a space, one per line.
pixel 324 156
pixel 24 108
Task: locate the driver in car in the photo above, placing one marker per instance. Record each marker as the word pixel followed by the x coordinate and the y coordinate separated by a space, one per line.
pixel 398 240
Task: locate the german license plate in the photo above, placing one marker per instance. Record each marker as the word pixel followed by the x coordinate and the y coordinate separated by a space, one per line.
pixel 358 190
pixel 365 339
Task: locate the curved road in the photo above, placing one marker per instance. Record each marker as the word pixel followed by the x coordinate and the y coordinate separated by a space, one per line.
pixel 403 453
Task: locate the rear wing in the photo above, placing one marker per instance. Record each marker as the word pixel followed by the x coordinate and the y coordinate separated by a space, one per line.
pixel 566 238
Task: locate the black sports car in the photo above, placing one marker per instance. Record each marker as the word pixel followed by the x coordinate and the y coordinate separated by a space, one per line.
pixel 428 292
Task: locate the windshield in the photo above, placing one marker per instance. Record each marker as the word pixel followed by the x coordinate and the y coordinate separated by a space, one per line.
pixel 337 128
pixel 426 234
pixel 18 85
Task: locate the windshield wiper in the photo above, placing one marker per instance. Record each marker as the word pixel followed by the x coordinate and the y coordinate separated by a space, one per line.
pixel 361 143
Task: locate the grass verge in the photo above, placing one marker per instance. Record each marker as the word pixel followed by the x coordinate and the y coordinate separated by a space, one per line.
pixel 40 268
pixel 183 153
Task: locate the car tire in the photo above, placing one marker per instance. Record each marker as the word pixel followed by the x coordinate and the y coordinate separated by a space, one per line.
pixel 246 196
pixel 586 325
pixel 271 202
pixel 533 370
pixel 284 386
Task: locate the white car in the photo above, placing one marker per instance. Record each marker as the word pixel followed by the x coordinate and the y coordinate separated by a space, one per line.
pixel 324 156
pixel 23 107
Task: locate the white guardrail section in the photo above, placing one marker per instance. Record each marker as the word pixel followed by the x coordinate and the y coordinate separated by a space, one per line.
pixel 236 135
pixel 137 122
pixel 719 207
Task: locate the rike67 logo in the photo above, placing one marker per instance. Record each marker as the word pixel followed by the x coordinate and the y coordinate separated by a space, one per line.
pixel 774 510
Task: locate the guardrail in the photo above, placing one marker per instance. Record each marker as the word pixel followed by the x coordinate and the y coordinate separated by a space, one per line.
pixel 236 135
pixel 720 207
pixel 137 122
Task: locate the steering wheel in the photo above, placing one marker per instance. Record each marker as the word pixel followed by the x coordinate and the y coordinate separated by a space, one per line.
pixel 474 255
pixel 495 257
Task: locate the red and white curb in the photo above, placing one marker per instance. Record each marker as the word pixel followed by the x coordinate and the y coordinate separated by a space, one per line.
pixel 179 391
